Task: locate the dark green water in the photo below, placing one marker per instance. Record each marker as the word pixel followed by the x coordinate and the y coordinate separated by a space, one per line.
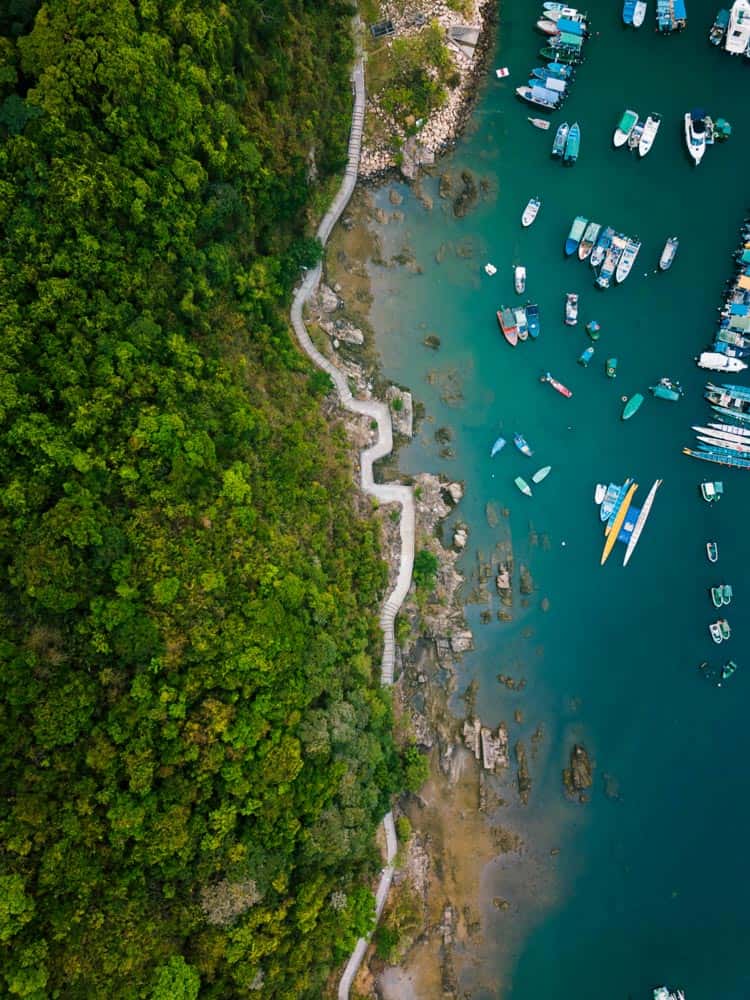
pixel 649 887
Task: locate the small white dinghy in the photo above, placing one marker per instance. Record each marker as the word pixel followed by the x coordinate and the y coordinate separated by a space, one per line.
pixel 502 72
pixel 490 269
pixel 541 474
pixel 599 493
pixel 519 279
pixel 530 212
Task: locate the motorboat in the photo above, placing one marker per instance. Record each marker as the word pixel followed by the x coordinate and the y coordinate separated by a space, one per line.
pixel 716 362
pixel 718 29
pixel 718 456
pixel 726 631
pixel 566 53
pixel 559 70
pixel 611 368
pixel 712 551
pixel 523 486
pixel 738 30
pixel 593 329
pixel 666 388
pixel 695 134
pixel 532 318
pixel 639 13
pixel 726 672
pixel 586 356
pixel 717 596
pixel 539 96
pixel 530 212
pixel 741 432
pixel 519 279
pixel 632 406
pixel 635 136
pixel 577 229
pixel 625 126
pixel 571 308
pixel 732 446
pixel 712 492
pixel 573 144
pixel 600 491
pixel 589 238
pixel 497 446
pixel 562 389
pixel 553 83
pixel 617 523
pixel 541 474
pixel 521 323
pixel 601 247
pixel 650 128
pixel 669 253
pixel 561 138
pixel 611 260
pixel 627 260
pixel 506 320
pixel 520 442
pixel 670 16
pixel 715 629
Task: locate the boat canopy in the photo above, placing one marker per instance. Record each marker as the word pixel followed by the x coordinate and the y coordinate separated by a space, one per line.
pixel 744 281
pixel 745 258
pixel 564 24
pixel 722 19
pixel 541 93
pixel 739 310
pixel 569 40
pixel 679 10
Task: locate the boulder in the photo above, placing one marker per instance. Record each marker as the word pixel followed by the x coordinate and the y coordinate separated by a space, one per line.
pixel 456 492
pixel 328 300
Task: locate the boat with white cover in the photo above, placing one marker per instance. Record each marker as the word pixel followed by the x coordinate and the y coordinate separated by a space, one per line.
pixel 695 134
pixel 650 129
pixel 719 362
pixel 530 212
pixel 737 41
pixel 642 518
pixel 639 13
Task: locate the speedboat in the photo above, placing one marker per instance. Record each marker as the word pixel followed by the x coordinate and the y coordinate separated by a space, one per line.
pixel 519 279
pixel 632 406
pixel 726 672
pixel 715 629
pixel 539 96
pixel 571 308
pixel 624 127
pixel 506 320
pixel 497 446
pixel 520 442
pixel 577 230
pixel 717 596
pixel 541 474
pixel 601 247
pixel 726 593
pixel 639 13
pixel 653 121
pixel 532 318
pixel 562 389
pixel 712 551
pixel 523 486
pixel 626 261
pixel 586 356
pixel 695 134
pixel 561 137
pixel 521 323
pixel 530 212
pixel 599 493
pixel 635 136
pixel 668 253
pixel 726 631
pixel 588 240
pixel 573 144
pixel 715 362
pixel 738 29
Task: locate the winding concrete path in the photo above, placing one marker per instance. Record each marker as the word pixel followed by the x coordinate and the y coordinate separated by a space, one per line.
pixel 386 493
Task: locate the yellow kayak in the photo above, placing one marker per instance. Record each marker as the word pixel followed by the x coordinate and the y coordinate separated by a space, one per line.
pixel 618 523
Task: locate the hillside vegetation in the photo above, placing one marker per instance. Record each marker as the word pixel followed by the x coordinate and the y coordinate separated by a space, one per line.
pixel 194 748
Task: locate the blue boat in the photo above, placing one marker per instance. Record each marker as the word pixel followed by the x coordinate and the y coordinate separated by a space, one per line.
pixel 586 357
pixel 576 233
pixel 609 501
pixel 520 442
pixel 569 27
pixel 561 137
pixel 714 455
pixel 546 72
pixel 572 144
pixel 617 504
pixel 628 9
pixel 671 15
pixel 563 72
pixel 497 446
pixel 601 246
pixel 532 318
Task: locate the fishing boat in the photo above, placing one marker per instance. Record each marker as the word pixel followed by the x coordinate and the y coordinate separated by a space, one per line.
pixel 519 279
pixel 611 368
pixel 490 269
pixel 547 27
pixel 715 629
pixel 734 446
pixel 617 523
pixel 716 362
pixel 726 631
pixel 497 446
pixel 695 134
pixel 561 10
pixel 639 13
pixel 541 474
pixel 632 406
pixel 589 238
pixel 561 137
pixel 520 442
pixel 541 123
pixel 726 672
pixel 718 29
pixel 670 16
pixel 611 260
pixel 506 319
pixel 562 389
pixel 593 329
pixel 523 486
pixel 612 497
pixel 577 229
pixel 717 597
pixel 586 356
pixel 628 9
pixel 601 247
pixel 718 457
pixel 573 144
pixel 569 56
pixel 625 264
pixel 668 253
pixel 539 97
pixel 728 436
pixel 600 491
pixel 665 388
pixel 739 392
pixel 712 492
pixel 560 70
pixel 640 522
pixel 532 318
pixel 572 26
pixel 712 551
pixel 553 83
pixel 521 323
pixel 625 126
pixel 635 136
pixel 571 308
pixel 530 212
pixel 741 432
pixel 651 127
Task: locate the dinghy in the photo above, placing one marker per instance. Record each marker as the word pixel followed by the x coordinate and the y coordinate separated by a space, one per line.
pixel 599 494
pixel 497 446
pixel 541 474
pixel 523 486
pixel 520 442
pixel 530 212
pixel 624 127
pixel 519 279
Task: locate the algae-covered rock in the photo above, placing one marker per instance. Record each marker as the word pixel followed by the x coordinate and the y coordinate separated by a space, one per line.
pixel 523 777
pixel 527 582
pixel 579 775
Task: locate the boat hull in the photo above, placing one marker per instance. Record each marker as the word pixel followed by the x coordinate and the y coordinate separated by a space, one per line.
pixel 632 406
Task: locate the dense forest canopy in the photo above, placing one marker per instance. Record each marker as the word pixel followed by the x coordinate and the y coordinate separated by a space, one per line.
pixel 194 748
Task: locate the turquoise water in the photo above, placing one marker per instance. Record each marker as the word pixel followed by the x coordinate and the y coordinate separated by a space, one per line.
pixel 648 887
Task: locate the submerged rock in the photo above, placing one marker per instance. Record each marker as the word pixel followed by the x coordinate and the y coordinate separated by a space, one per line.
pixel 467 197
pixel 579 775
pixel 432 341
pixel 523 778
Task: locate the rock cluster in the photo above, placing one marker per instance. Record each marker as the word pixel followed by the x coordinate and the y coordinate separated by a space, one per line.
pixel 579 775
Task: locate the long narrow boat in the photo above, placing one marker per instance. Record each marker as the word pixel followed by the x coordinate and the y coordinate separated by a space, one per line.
pixel 601 247
pixel 561 137
pixel 562 389
pixel 721 442
pixel 725 433
pixel 589 239
pixel 742 432
pixel 718 459
pixel 618 522
pixel 627 260
pixel 632 405
pixel 726 411
pixel 642 518
pixel 577 230
pixel 573 144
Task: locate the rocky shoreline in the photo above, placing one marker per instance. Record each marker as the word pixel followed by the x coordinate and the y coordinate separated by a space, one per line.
pixel 440 132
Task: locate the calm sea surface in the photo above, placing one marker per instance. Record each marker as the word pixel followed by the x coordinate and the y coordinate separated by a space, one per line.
pixel 650 884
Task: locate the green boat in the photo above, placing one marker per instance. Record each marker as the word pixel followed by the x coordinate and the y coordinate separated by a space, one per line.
pixel 727 670
pixel 523 486
pixel 726 593
pixel 726 631
pixel 632 406
pixel 716 597
pixel 571 57
pixel 611 368
pixel 573 144
pixel 593 329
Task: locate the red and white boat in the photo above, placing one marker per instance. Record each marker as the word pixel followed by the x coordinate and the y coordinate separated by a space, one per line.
pixel 562 389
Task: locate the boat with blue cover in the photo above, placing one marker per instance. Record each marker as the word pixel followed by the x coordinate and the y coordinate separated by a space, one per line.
pixel 586 356
pixel 577 229
pixel 571 26
pixel 611 260
pixel 719 28
pixel 718 457
pixel 559 70
pixel 628 9
pixel 671 15
pixel 520 442
pixel 625 126
pixel 561 137
pixel 573 144
pixel 532 318
pixel 613 493
pixel 601 247
pixel 539 97
pixel 551 83
pixel 497 446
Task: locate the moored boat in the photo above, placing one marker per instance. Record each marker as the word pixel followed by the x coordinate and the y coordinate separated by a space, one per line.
pixel 741 432
pixel 718 457
pixel 731 445
pixel 561 137
pixel 593 329
pixel 530 212
pixel 668 253
pixel 639 13
pixel 635 136
pixel 611 260
pixel 625 126
pixel 571 308
pixel 506 319
pixel 611 368
pixel 726 672
pixel 520 442
pixel 532 318
pixel 547 27
pixel 541 123
pixel 589 238
pixel 600 491
pixel 523 486
pixel 716 362
pixel 627 260
pixel 586 356
pixel 715 629
pixel 562 389
pixel 716 596
pixel 712 551
pixel 521 323
pixel 611 499
pixel 650 128
pixel 628 8
pixel 718 29
pixel 695 134
pixel 726 593
pixel 577 229
pixel 665 388
pixel 726 631
pixel 559 70
pixel 601 247
pixel 711 492
pixel 539 96
pixel 541 474
pixel 632 406
pixel 640 522
pixel 553 83
pixel 490 269
pixel 572 144
pixel 497 446
pixel 569 56
pixel 519 279
pixel 617 523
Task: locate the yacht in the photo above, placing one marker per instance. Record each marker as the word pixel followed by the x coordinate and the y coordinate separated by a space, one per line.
pixel 649 134
pixel 695 134
pixel 737 41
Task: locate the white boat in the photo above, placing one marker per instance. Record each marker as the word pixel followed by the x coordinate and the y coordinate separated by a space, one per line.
pixel 519 279
pixel 724 432
pixel 740 432
pixel 624 127
pixel 719 362
pixel 541 123
pixel 502 72
pixel 571 308
pixel 541 474
pixel 548 27
pixel 530 212
pixel 639 13
pixel 642 518
pixel 695 134
pixel 668 253
pixel 738 29
pixel 715 629
pixel 627 260
pixel 490 269
pixel 741 447
pixel 599 493
pixel 649 134
pixel 589 238
pixel 554 11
